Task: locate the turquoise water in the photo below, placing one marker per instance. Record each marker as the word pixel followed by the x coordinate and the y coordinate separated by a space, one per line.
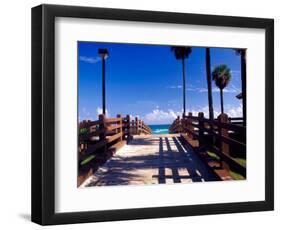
pixel 159 129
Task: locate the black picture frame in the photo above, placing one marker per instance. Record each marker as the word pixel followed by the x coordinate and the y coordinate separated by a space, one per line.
pixel 43 110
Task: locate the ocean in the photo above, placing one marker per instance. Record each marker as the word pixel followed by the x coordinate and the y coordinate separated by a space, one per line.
pixel 159 129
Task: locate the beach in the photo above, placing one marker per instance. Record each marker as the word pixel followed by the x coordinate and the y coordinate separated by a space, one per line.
pixel 160 129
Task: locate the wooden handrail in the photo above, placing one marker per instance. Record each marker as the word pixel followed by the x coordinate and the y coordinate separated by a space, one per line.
pixel 107 131
pixel 234 165
pixel 113 120
pixel 221 131
pixel 105 136
pixel 87 124
pixel 88 136
pixel 114 127
pixel 113 138
pixel 235 118
pixel 228 126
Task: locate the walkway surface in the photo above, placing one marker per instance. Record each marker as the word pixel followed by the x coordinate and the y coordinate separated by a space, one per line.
pixel 151 159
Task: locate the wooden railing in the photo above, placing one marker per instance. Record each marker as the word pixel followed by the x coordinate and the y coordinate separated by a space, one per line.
pixel 220 136
pixel 236 120
pixel 99 140
pixel 138 127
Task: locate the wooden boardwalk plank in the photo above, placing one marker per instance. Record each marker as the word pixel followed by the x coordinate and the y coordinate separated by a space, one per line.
pixel 151 159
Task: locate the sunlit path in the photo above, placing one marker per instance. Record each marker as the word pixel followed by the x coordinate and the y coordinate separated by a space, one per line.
pixel 152 159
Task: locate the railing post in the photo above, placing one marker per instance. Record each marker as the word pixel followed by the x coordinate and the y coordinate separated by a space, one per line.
pixel 128 130
pixel 133 127
pixel 201 129
pixel 120 130
pixel 140 127
pixel 223 118
pixel 189 125
pixel 137 125
pixel 183 123
pixel 178 124
pixel 103 130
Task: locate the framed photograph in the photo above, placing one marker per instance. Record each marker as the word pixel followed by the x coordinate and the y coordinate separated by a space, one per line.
pixel 142 114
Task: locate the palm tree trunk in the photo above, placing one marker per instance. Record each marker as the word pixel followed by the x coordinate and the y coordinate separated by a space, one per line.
pixel 221 94
pixel 243 82
pixel 209 83
pixel 183 85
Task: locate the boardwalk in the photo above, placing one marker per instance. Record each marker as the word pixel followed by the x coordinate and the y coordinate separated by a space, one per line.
pixel 151 159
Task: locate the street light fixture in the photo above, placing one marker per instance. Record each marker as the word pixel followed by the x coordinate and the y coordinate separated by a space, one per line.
pixel 103 53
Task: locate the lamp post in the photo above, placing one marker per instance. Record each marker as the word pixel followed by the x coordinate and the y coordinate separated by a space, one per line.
pixel 103 53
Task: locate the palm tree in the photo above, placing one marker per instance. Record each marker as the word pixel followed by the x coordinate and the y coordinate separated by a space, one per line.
pixel 221 75
pixel 182 53
pixel 242 53
pixel 209 84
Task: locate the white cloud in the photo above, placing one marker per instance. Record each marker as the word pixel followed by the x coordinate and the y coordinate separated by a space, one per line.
pixel 204 109
pixel 84 114
pixel 234 111
pixel 132 117
pixel 231 111
pixel 91 60
pixel 229 89
pixel 235 88
pixel 175 87
pixel 235 72
pixel 99 111
pixel 158 116
pixel 197 89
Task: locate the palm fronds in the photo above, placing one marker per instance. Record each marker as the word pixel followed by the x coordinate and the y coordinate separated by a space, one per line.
pixel 221 75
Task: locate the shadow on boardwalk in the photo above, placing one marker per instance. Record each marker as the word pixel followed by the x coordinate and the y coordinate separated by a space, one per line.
pixel 152 160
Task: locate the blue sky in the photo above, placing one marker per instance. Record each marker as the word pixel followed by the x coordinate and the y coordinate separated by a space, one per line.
pixel 146 81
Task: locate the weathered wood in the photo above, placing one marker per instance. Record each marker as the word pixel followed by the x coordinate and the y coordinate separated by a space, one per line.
pixel 87 124
pixel 91 149
pixel 227 159
pixel 118 145
pixel 228 140
pixel 102 136
pixel 114 137
pixel 111 133
pixel 86 173
pixel 113 127
pixel 126 129
pixel 201 127
pixel 137 125
pixel 224 146
pixel 112 120
pixel 186 124
pixel 211 133
pixel 88 136
pixel 165 161
pixel 228 126
pixel 120 129
pixel 193 134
